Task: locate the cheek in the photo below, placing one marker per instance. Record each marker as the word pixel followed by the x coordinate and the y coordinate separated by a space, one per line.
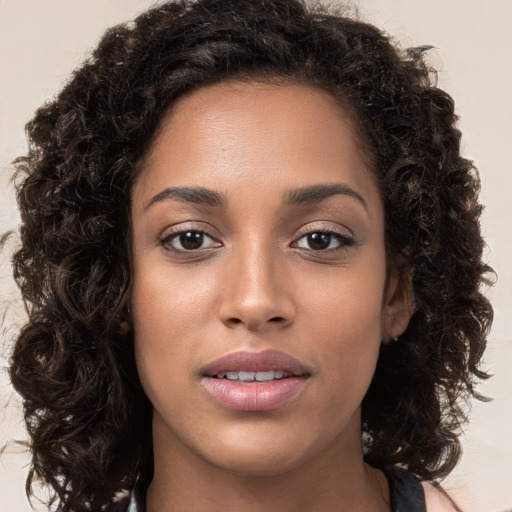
pixel 168 305
pixel 348 337
pixel 348 301
pixel 344 318
pixel 165 316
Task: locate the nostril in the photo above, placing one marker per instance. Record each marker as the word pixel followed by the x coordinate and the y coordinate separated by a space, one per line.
pixel 255 322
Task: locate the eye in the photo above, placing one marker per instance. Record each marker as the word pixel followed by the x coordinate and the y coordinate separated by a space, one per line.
pixel 189 240
pixel 324 241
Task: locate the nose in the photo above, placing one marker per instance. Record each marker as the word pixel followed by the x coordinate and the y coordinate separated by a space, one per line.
pixel 257 292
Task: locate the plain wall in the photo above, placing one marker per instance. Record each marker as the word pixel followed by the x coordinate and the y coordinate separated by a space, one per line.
pixel 41 42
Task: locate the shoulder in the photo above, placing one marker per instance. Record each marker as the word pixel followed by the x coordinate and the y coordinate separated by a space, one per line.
pixel 437 499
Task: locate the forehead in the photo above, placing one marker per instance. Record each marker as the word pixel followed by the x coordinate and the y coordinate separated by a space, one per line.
pixel 289 134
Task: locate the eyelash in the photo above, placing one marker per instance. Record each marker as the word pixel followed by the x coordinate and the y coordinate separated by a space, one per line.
pixel 166 240
pixel 344 240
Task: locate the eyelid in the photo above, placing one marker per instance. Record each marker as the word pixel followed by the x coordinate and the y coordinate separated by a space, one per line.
pixel 177 229
pixel 325 226
pixel 345 234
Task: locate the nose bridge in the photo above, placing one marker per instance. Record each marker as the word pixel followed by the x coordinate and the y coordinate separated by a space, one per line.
pixel 256 293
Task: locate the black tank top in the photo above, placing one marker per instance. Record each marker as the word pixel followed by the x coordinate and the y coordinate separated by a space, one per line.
pixel 406 491
pixel 406 494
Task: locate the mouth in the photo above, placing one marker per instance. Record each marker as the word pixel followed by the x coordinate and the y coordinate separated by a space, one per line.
pixel 255 381
pixel 255 366
pixel 261 376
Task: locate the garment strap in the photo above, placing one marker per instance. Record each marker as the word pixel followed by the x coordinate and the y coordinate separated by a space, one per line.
pixel 406 491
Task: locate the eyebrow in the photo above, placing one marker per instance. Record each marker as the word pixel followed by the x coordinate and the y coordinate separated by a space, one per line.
pixel 310 195
pixel 317 193
pixel 196 195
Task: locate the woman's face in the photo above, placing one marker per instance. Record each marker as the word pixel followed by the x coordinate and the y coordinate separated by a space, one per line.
pixel 260 297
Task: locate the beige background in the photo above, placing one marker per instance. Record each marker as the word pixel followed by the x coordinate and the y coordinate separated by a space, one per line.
pixel 41 42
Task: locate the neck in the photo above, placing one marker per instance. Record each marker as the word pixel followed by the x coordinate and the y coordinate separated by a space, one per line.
pixel 335 480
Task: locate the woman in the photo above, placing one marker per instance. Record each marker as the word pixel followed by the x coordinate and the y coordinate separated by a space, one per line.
pixel 248 235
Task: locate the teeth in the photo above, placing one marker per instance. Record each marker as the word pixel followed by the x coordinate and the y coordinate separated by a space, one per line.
pixel 251 376
pixel 265 375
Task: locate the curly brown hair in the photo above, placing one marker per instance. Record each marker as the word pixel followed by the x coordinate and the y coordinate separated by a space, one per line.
pixel 86 413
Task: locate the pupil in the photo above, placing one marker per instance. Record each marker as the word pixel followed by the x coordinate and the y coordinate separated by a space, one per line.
pixel 319 241
pixel 191 240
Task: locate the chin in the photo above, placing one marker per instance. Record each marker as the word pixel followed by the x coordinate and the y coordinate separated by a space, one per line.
pixel 258 456
pixel 267 464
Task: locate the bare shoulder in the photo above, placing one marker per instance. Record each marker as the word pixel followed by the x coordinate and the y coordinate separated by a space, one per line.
pixel 438 500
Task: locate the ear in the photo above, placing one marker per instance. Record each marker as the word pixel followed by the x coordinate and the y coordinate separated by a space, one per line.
pixel 399 304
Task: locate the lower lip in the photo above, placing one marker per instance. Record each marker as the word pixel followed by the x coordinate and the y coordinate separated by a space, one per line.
pixel 253 395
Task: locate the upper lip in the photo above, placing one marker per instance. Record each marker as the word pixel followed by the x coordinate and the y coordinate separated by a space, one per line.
pixel 245 361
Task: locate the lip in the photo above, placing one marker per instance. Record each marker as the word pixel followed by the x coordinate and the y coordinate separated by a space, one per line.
pixel 253 395
pixel 255 361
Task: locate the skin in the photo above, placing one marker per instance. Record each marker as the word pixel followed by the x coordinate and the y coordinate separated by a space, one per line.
pixel 257 283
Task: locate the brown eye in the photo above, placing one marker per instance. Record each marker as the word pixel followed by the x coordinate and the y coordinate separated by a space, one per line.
pixel 323 240
pixel 189 240
pixel 318 241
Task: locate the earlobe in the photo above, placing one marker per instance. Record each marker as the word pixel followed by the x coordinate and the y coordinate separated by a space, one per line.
pixel 399 303
pixel 125 322
pixel 124 328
